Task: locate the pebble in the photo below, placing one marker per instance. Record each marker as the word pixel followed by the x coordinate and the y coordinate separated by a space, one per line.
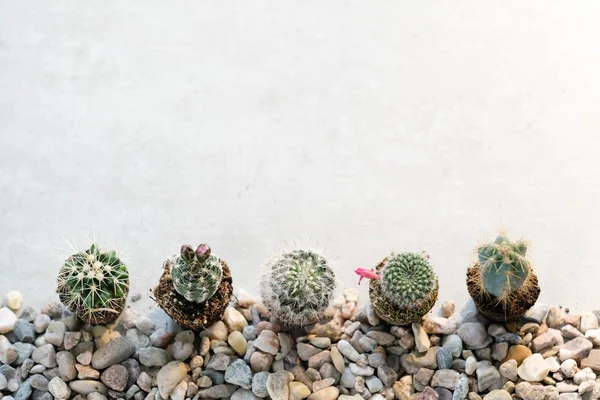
pixel 7 320
pixel 498 394
pixel 537 313
pixel 448 308
pixel 114 352
pixel 239 373
pixel 45 355
pixel 453 344
pixel 259 384
pixel 337 359
pixel 470 365
pixel 267 341
pixel 461 389
pixel 586 374
pixel 592 360
pixel 298 390
pixel 160 338
pixel 217 331
pixel 181 350
pixel 487 375
pixel 86 387
pixel 234 319
pixel 421 338
pixel 518 353
pixel 55 333
pixel 41 323
pixel 329 393
pixel 66 365
pixel 277 385
pixel 575 349
pixel 115 377
pixel 361 371
pixel 446 378
pixel 473 334
pixel 145 325
pixel 588 321
pixel 59 389
pixel 217 391
pixel 533 368
pixel 169 376
pixel 306 351
pixel 260 361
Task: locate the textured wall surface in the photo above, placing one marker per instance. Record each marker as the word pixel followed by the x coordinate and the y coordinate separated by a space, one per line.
pixel 364 126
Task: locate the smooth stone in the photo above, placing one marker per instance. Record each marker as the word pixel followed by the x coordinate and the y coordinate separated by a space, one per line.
pixel 237 342
pixel 41 323
pixel 487 375
pixel 234 319
pixel 181 350
pixel 7 320
pixel 498 394
pixel 14 300
pixel 537 313
pixel 249 332
pixel 152 357
pixel 320 342
pixel 444 358
pixel 585 374
pixel 86 387
pixel 382 338
pixel 39 382
pixel 445 378
pixel 448 308
pixel 568 368
pixel 145 325
pixel 217 392
pixel 306 351
pixel 473 334
pixel 592 360
pixel 24 331
pixel 453 344
pixel 361 371
pixel 552 337
pixel 58 388
pixel 298 391
pixel 8 353
pixel 55 333
pixel 588 321
pixel 160 338
pixel 267 341
pixel 421 338
pixel 518 353
pixel 329 393
pixel 115 377
pixel 260 361
pixel 239 373
pixel 71 339
pixel 443 393
pixel 217 331
pixel 337 359
pixel 113 352
pixel 45 355
pixel 277 385
pixel 387 375
pixel 427 360
pixel 471 365
pixel 219 362
pixel 499 351
pixel 66 365
pixel 533 368
pixel 243 394
pixel 259 384
pixel 169 376
pixel 461 389
pixel 575 349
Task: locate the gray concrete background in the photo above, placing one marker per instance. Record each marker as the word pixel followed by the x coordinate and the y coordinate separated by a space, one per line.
pixel 366 126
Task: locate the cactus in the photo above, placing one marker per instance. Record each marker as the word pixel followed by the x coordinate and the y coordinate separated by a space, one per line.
pixel 196 274
pixel 407 289
pixel 503 266
pixel 94 284
pixel 298 286
pixel 502 283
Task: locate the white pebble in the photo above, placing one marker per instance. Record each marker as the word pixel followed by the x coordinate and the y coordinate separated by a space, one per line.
pixel 14 300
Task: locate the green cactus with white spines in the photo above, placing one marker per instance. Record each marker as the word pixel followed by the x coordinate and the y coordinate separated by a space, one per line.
pixel 298 286
pixel 94 284
pixel 504 266
pixel 196 274
pixel 407 289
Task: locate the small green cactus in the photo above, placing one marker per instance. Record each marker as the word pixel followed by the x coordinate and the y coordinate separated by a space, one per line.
pixel 94 284
pixel 196 274
pixel 298 286
pixel 407 289
pixel 503 266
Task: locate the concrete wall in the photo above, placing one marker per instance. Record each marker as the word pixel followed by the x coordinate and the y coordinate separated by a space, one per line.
pixel 366 126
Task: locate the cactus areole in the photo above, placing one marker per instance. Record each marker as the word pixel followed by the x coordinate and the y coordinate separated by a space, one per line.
pixel 297 287
pixel 195 287
pixel 502 283
pixel 407 290
pixel 94 285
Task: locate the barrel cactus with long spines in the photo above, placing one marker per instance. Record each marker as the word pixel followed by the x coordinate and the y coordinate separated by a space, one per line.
pixel 196 274
pixel 94 284
pixel 502 283
pixel 298 286
pixel 407 288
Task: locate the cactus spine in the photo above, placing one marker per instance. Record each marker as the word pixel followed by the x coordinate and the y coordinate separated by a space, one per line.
pixel 502 283
pixel 94 284
pixel 298 286
pixel 196 274
pixel 407 290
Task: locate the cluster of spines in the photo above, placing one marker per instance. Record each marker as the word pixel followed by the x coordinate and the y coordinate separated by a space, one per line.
pixel 408 280
pixel 298 286
pixel 196 274
pixel 95 280
pixel 504 266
